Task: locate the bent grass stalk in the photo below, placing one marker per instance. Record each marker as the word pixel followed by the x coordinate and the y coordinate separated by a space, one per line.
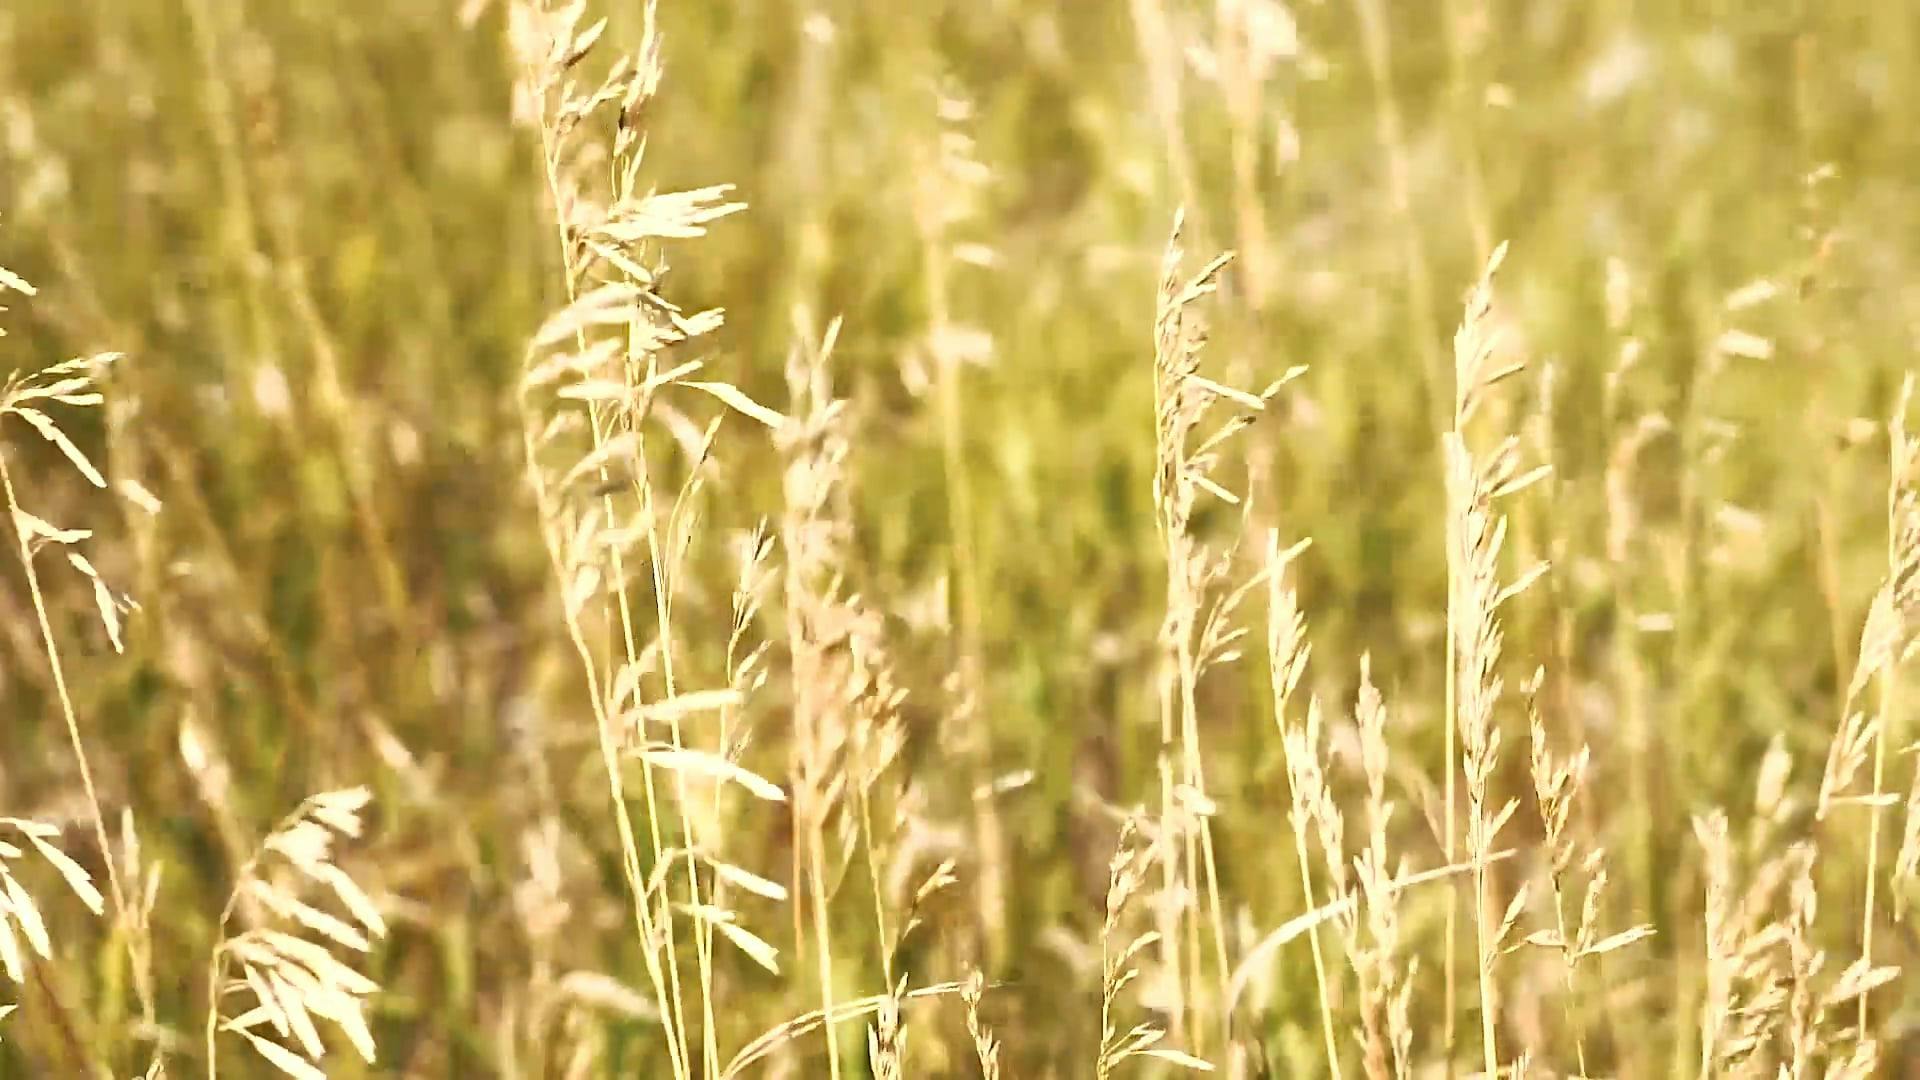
pixel 72 383
pixel 1287 653
pixel 1903 562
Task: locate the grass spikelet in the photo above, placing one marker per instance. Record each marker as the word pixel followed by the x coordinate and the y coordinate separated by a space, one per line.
pixel 1287 653
pixel 887 1038
pixel 1384 971
pixel 1119 961
pixel 1557 782
pixel 986 1048
pixel 287 963
pixel 848 727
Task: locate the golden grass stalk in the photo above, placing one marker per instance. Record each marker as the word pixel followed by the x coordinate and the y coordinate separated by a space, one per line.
pixel 1198 631
pixel 1362 891
pixel 1903 584
pixel 1126 875
pixel 1887 638
pixel 1385 976
pixel 1769 1004
pixel 816 447
pixel 847 724
pixel 1287 653
pixel 887 1036
pixel 1476 534
pixel 1731 1027
pixel 73 383
pixel 602 355
pixel 1557 782
pixel 26 396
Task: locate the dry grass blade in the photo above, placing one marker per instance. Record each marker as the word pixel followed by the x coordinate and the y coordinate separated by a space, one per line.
pixel 19 912
pixel 768 1041
pixel 727 923
pixel 1262 951
pixel 604 359
pixel 713 767
pixel 11 280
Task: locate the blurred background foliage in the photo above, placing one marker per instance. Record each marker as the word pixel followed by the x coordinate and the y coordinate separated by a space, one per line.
pixel 323 243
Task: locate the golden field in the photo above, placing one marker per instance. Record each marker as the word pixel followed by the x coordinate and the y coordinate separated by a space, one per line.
pixel 840 538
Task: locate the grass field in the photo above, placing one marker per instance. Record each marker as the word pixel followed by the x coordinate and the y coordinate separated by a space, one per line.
pixel 850 538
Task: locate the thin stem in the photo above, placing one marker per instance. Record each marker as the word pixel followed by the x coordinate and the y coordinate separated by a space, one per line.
pixel 1484 934
pixel 217 970
pixel 1887 688
pixel 60 691
pixel 1101 1068
pixel 663 615
pixel 1566 967
pixel 1196 778
pixel 818 873
pixel 1449 841
pixel 676 1031
pixel 1319 959
pixel 1170 951
pixel 610 761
